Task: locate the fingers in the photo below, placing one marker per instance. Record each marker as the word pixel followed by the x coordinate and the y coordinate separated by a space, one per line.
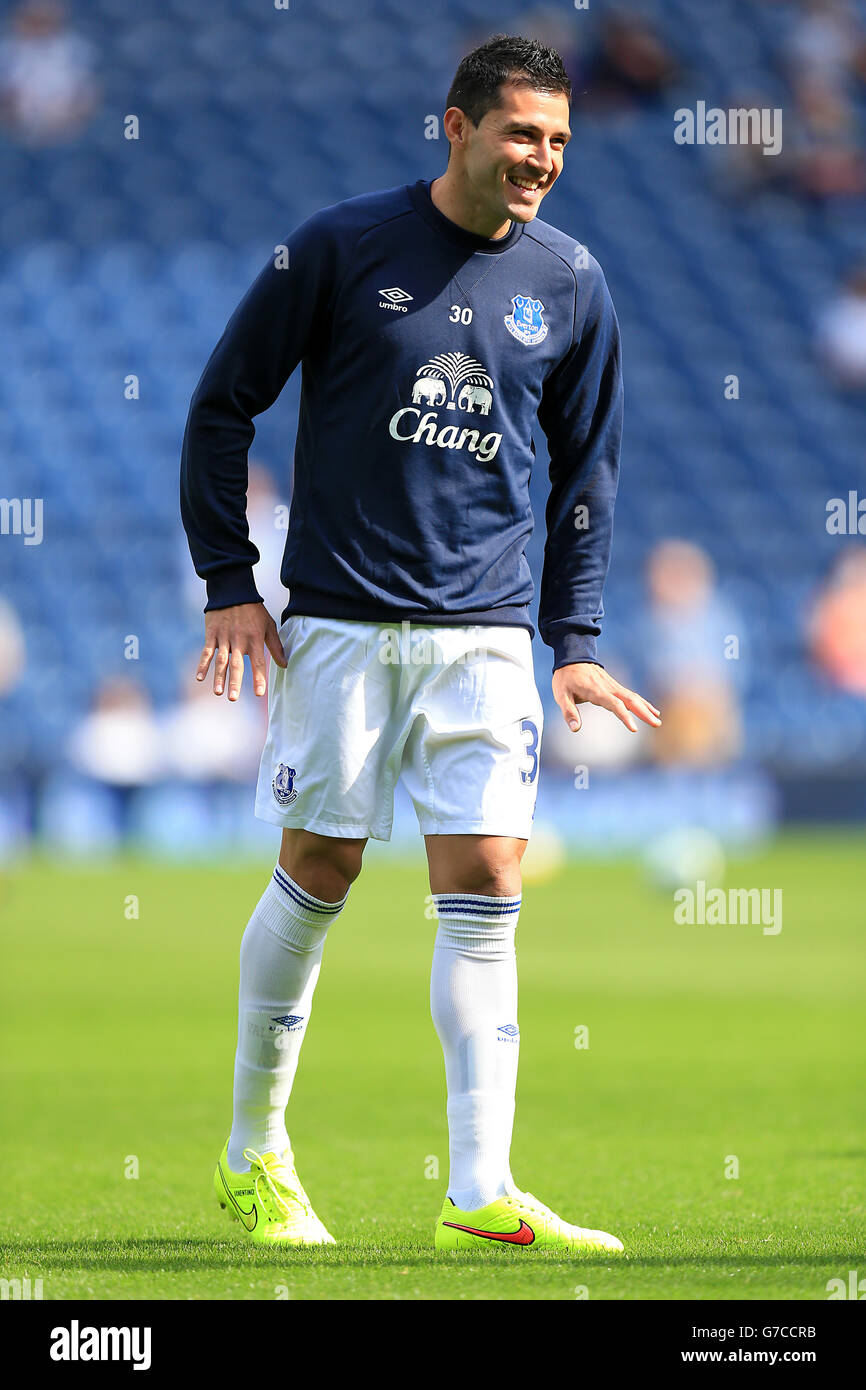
pixel 236 673
pixel 273 643
pixel 260 675
pixel 585 682
pixel 232 634
pixel 204 661
pixel 639 706
pixel 570 715
pixel 219 669
pixel 621 710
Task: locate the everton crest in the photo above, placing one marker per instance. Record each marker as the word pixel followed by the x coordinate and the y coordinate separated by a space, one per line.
pixel 525 322
pixel 284 785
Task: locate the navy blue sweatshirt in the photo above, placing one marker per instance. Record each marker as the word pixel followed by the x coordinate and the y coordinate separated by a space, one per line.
pixel 426 353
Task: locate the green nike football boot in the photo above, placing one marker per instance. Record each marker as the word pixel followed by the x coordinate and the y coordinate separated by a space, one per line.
pixel 269 1201
pixel 518 1220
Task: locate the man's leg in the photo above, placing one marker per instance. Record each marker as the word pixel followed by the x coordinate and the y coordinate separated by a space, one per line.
pixel 475 880
pixel 281 953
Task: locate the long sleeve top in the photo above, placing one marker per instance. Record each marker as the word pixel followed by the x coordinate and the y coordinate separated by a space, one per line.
pixel 426 353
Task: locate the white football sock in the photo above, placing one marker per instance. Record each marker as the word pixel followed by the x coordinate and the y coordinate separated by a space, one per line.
pixel 473 999
pixel 281 953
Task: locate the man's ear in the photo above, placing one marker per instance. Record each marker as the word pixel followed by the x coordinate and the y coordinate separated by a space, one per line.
pixel 454 125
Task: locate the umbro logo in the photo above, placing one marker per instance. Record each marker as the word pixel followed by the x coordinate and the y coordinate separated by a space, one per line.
pixel 394 298
pixel 291 1022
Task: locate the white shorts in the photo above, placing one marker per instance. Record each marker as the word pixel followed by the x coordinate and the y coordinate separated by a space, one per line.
pixel 454 710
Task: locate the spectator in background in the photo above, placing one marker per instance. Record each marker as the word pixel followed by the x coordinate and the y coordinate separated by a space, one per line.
pixel 687 638
pixel 824 60
pixel 744 170
pixel 837 624
pixel 267 525
pixel 632 67
pixel 12 650
pixel 827 46
pixel 15 808
pixel 841 339
pixel 118 746
pixel 47 88
pixel 209 741
pixel 827 145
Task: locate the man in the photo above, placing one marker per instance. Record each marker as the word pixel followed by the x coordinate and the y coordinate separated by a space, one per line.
pixel 433 321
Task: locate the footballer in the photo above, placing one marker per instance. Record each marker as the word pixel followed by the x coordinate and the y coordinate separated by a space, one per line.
pixel 433 322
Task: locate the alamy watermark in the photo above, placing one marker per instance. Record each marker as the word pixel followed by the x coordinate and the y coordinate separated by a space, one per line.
pixel 20 1289
pixel 738 125
pixel 22 516
pixel 855 1287
pixel 77 1343
pixel 402 647
pixel 729 907
pixel 846 516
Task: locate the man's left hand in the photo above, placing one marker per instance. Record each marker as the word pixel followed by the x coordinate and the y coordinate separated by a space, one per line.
pixel 582 682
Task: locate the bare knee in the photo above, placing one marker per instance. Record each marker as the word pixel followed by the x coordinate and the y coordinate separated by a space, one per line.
pixel 488 865
pixel 323 865
pixel 500 879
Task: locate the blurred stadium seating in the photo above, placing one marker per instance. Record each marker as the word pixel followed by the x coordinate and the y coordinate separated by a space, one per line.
pixel 122 257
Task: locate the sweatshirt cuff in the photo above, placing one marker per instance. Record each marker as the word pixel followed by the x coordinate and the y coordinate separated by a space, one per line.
pixel 232 585
pixel 574 646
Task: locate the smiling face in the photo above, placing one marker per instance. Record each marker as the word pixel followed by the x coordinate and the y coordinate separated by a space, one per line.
pixel 513 157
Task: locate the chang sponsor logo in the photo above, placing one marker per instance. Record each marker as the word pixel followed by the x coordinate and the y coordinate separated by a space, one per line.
pixel 459 383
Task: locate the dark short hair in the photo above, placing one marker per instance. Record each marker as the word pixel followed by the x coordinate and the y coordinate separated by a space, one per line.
pixel 505 58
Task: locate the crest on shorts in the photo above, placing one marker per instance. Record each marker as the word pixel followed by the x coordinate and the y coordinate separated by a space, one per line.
pixel 284 785
pixel 525 322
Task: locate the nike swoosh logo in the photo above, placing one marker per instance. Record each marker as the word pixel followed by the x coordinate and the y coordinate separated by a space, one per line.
pixel 243 1216
pixel 524 1235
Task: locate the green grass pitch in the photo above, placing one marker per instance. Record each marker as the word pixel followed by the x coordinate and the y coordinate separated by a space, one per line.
pixel 706 1044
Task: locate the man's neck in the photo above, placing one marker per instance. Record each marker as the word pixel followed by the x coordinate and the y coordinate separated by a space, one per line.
pixel 450 198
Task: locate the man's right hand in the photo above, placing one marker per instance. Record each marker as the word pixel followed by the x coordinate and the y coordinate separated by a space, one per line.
pixel 230 634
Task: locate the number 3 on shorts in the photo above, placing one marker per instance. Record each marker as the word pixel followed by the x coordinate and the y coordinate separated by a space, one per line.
pixel 529 730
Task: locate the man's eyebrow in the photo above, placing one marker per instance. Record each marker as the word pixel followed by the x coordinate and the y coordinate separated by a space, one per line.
pixel 564 135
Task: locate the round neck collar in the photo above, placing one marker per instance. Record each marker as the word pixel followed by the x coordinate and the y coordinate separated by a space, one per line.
pixel 470 241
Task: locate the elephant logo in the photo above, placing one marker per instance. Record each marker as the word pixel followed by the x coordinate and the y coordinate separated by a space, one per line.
pixel 467 383
pixel 525 322
pixel 430 389
pixel 459 382
pixel 470 396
